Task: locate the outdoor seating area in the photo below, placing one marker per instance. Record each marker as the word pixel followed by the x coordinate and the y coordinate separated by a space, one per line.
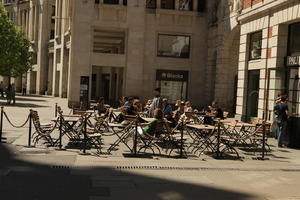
pixel 98 134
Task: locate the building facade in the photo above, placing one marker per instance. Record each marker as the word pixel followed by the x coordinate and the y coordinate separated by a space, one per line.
pixel 268 57
pixel 85 49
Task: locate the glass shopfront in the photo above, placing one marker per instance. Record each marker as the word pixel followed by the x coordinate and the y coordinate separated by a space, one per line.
pixel 173 84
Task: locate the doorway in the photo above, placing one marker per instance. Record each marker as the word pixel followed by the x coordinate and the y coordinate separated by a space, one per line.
pixel 252 94
pixel 105 83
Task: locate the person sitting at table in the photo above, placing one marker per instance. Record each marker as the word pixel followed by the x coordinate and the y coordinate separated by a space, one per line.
pixel 138 105
pixel 188 107
pixel 151 128
pixel 129 108
pixel 167 108
pixel 100 107
pixel 180 111
pixel 215 112
pixel 158 117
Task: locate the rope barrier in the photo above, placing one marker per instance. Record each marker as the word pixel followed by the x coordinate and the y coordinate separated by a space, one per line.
pixel 15 126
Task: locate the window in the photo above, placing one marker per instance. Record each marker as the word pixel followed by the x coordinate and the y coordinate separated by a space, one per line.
pixel 151 4
pixel 201 5
pixel 255 45
pixel 111 1
pixel 294 40
pixel 186 5
pixel 177 46
pixel 168 4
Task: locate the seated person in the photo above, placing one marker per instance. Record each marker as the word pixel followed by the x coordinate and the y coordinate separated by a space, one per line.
pixel 188 107
pixel 151 128
pixel 167 109
pixel 128 107
pixel 100 107
pixel 180 111
pixel 138 105
pixel 215 112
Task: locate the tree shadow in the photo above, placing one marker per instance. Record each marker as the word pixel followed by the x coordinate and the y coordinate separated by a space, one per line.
pixel 25 180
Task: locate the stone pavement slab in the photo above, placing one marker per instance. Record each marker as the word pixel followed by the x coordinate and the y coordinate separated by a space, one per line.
pixel 45 173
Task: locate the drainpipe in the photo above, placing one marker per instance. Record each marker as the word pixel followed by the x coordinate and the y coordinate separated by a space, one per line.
pixel 266 87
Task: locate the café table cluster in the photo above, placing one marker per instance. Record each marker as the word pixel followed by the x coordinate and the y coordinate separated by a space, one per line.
pixel 103 134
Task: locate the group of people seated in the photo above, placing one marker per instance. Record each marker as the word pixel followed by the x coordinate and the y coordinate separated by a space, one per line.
pixel 159 107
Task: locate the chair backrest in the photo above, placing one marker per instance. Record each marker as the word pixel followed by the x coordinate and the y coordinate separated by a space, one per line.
pixel 77 111
pixel 59 110
pixel 35 119
pixel 259 129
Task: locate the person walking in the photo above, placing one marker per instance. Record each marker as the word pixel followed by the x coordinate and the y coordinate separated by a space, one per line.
pixel 24 89
pixel 8 94
pixel 1 89
pixel 282 111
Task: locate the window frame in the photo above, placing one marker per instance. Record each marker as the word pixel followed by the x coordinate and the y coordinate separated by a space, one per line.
pixel 168 34
pixel 250 45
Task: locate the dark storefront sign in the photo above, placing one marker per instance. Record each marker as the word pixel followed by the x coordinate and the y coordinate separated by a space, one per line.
pixel 172 75
pixel 173 84
pixel 293 61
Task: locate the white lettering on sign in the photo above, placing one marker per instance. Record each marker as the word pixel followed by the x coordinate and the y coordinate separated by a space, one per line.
pixel 293 60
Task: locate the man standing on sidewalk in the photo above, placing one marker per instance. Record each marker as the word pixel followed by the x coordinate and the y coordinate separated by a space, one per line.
pixel 282 111
pixel 1 89
pixel 156 103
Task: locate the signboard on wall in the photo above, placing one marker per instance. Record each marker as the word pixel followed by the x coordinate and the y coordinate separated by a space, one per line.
pixel 173 84
pixel 172 75
pixel 293 61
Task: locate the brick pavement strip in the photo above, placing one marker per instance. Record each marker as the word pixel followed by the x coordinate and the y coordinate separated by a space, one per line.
pixel 115 177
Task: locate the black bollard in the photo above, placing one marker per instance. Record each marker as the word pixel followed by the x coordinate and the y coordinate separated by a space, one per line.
pixel 30 128
pixel 264 138
pixel 60 132
pixel 135 137
pixel 84 136
pixel 181 140
pixel 1 124
pixel 218 138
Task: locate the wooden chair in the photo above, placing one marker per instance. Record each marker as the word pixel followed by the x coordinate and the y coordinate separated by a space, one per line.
pixel 42 131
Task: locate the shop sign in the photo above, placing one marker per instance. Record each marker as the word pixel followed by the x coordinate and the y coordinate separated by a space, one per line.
pixel 172 75
pixel 293 61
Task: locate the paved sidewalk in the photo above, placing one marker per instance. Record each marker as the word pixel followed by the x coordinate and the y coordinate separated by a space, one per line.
pixel 45 173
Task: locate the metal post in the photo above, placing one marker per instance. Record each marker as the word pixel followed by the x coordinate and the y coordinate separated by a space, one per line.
pixel 1 124
pixel 218 138
pixel 264 138
pixel 30 128
pixel 60 132
pixel 135 137
pixel 181 140
pixel 84 135
pixel 55 109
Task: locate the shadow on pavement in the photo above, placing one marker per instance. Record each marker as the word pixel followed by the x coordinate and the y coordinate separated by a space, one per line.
pixel 22 105
pixel 29 181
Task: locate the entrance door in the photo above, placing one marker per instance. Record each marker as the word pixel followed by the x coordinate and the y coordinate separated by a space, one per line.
pixel 252 94
pixel 105 86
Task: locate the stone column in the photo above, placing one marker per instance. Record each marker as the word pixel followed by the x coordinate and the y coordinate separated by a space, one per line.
pixel 50 74
pixel 43 40
pixel 195 5
pixel 158 4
